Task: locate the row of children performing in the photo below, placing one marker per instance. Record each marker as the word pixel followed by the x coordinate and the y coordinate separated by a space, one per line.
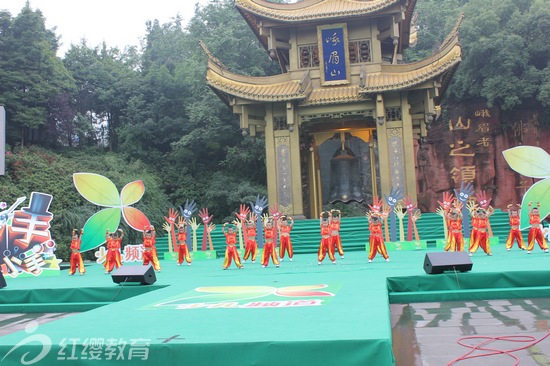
pixel 453 211
pixel 330 243
pixel 278 226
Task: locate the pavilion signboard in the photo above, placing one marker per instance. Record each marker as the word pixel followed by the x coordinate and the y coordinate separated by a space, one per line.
pixel 333 51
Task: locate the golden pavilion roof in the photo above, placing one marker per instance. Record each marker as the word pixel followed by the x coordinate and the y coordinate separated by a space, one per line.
pixel 310 10
pixel 403 76
pixel 391 77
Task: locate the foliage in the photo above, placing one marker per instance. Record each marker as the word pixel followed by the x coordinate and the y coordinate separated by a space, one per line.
pixel 36 169
pixel 33 80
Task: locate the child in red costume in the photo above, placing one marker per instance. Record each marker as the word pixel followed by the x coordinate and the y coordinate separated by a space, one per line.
pixel 376 241
pixel 150 250
pixel 183 251
pixel 535 233
pixel 269 249
pixel 455 239
pixel 479 237
pixel 285 226
pixel 231 252
pixel 114 241
pixel 251 245
pixel 76 257
pixel 515 232
pixel 325 245
pixel 336 242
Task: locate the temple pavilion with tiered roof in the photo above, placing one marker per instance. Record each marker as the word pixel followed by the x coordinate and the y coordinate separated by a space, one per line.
pixel 342 119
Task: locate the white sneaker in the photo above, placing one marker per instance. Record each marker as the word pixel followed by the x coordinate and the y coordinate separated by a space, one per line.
pixel 179 264
pixel 333 262
pixel 188 264
pixel 370 260
pixel 387 259
pixel 277 265
pixel 263 266
pixel 470 254
pixel 545 250
pixel 319 263
pixel 528 252
pixel 342 256
pixel 508 249
pixel 290 259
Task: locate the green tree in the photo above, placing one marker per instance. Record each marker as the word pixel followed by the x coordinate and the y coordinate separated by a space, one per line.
pixel 32 77
pixel 506 53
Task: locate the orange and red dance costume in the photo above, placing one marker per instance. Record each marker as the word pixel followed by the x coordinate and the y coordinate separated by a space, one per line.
pixel 515 234
pixel 455 239
pixel 231 252
pixel 150 251
pixel 113 259
pixel 251 246
pixel 285 244
pixel 479 237
pixel 76 257
pixel 269 248
pixel 183 251
pixel 376 241
pixel 535 234
pixel 325 245
pixel 336 242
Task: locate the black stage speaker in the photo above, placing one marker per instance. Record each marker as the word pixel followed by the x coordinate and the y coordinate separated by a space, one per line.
pixel 2 281
pixel 440 262
pixel 144 275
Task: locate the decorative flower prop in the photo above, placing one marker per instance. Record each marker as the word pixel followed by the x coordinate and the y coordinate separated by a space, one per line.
pixel 101 191
pixel 532 162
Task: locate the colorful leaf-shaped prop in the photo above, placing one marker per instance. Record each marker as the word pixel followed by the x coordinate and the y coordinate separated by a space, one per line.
pixel 135 218
pixel 529 161
pixel 132 192
pixel 538 192
pixel 95 227
pixel 97 189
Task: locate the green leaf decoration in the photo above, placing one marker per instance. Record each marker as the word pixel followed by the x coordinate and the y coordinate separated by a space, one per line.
pixel 529 161
pixel 539 192
pixel 95 227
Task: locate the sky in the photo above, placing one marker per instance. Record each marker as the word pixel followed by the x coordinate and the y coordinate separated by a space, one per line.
pixel 119 23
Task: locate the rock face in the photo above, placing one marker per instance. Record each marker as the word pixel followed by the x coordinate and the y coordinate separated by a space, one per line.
pixel 466 146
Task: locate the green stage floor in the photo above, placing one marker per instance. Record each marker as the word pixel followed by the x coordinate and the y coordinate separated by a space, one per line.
pixel 298 314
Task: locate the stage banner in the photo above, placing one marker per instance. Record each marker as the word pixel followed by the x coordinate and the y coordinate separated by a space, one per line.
pixel 333 51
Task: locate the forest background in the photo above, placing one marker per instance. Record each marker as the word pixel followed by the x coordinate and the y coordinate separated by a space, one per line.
pixel 146 112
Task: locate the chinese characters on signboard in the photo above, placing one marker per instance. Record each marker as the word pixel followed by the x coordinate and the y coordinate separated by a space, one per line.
pixel 465 146
pixel 333 46
pixel 26 243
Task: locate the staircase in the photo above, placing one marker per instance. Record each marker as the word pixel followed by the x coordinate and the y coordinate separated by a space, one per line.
pixel 354 233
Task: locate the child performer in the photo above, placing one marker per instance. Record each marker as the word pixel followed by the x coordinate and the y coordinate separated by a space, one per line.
pixel 113 259
pixel 150 250
pixel 269 249
pixel 325 245
pixel 376 241
pixel 76 258
pixel 231 252
pixel 183 252
pixel 336 242
pixel 479 237
pixel 515 233
pixel 535 233
pixel 285 226
pixel 251 245
pixel 455 239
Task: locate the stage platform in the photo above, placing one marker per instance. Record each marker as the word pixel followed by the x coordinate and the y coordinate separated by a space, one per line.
pixel 301 313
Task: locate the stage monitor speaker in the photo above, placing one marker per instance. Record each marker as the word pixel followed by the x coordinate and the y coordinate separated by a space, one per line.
pixel 439 262
pixel 144 275
pixel 2 281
